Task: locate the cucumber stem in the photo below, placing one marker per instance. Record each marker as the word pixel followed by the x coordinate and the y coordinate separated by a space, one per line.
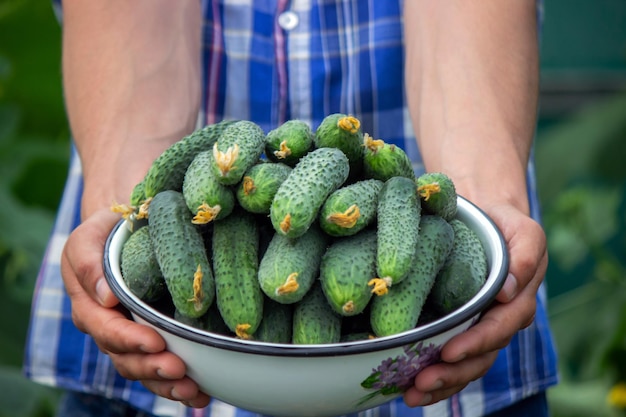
pixel 374 145
pixel 198 295
pixel 127 211
pixel 347 219
pixel 142 213
pixel 349 124
pixel 248 185
pixel 283 152
pixel 381 285
pixel 348 307
pixel 225 160
pixel 241 331
pixel 285 224
pixel 290 285
pixel 206 213
pixel 426 190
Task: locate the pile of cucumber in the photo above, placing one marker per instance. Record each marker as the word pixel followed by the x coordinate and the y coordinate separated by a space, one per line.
pixel 297 236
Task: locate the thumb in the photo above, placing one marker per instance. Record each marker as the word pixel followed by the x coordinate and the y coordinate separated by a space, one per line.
pixel 82 258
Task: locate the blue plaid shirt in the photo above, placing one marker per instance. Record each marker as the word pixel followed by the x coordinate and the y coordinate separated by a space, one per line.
pixel 271 61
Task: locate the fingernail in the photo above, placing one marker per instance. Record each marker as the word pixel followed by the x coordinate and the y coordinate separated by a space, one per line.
pixel 161 373
pixel 426 399
pixel 510 287
pixel 436 385
pixel 175 395
pixel 146 349
pixel 102 290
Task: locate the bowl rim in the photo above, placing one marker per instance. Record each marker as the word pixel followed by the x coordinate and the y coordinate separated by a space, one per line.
pixel 470 310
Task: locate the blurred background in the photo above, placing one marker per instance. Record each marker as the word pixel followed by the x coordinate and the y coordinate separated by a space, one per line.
pixel 580 156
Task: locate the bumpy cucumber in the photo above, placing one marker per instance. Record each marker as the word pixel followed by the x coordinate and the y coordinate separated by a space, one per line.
pixel 382 160
pixel 138 194
pixel 463 273
pixel 399 214
pixel 314 321
pixel 168 169
pixel 180 252
pixel 290 266
pixel 351 208
pixel 140 268
pixel 299 198
pixel 235 267
pixel 289 142
pixel 237 149
pixel 343 132
pixel 438 194
pixel 399 310
pixel 204 194
pixel 347 267
pixel 277 323
pixel 259 185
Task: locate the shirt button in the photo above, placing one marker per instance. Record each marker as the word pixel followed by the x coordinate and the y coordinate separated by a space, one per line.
pixel 288 20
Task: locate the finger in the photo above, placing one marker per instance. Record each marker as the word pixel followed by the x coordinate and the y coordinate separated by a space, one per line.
pixel 414 398
pixel 84 251
pixel 440 381
pixel 185 390
pixel 162 366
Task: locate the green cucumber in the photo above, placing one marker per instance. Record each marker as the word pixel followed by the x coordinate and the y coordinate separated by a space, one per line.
pixel 346 269
pixel 289 142
pixel 299 198
pixel 168 169
pixel 463 273
pixel 400 309
pixel 140 269
pixel 259 185
pixel 237 149
pixel 314 321
pixel 181 254
pixel 277 323
pixel 289 266
pixel 351 208
pixel 398 219
pixel 204 194
pixel 343 132
pixel 438 194
pixel 235 267
pixel 138 194
pixel 382 160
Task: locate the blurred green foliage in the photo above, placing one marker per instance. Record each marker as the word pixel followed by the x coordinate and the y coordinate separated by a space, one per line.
pixel 33 164
pixel 580 173
pixel 584 206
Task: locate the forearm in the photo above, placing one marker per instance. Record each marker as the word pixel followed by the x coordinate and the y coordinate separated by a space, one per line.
pixel 131 75
pixel 472 86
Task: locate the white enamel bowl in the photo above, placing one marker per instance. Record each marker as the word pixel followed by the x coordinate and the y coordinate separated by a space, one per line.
pixel 311 380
